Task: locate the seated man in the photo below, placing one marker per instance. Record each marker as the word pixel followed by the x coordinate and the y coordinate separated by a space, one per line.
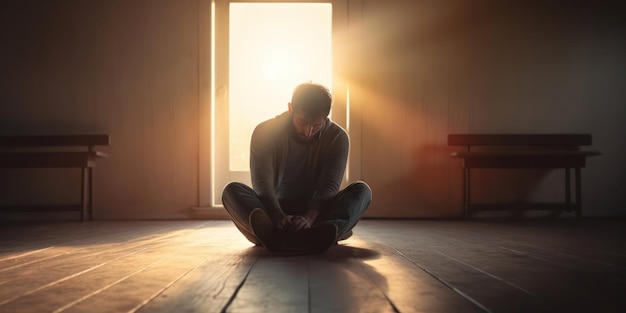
pixel 297 162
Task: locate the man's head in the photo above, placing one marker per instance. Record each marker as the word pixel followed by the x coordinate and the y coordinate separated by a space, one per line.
pixel 310 105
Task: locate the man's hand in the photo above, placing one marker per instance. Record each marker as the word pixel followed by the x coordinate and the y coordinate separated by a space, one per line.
pixel 285 223
pixel 299 222
pixel 294 223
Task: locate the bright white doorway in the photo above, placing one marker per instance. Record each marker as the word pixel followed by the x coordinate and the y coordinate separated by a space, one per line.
pixel 261 52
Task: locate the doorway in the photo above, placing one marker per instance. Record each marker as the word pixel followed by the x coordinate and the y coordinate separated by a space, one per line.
pixel 261 51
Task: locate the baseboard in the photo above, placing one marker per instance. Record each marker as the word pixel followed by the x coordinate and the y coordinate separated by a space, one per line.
pixel 209 213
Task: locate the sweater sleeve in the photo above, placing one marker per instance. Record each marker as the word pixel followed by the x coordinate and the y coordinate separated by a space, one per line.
pixel 332 171
pixel 263 170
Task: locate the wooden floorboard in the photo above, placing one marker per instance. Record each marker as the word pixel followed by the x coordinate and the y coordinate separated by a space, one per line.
pixel 340 281
pixel 407 286
pixel 387 266
pixel 212 285
pixel 500 267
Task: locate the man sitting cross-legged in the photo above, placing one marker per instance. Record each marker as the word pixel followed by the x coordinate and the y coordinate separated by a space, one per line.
pixel 297 162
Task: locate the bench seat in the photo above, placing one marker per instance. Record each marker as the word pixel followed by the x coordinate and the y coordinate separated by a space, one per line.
pixel 50 159
pixel 524 158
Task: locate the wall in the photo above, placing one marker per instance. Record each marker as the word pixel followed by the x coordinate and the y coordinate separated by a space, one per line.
pixel 439 67
pixel 420 70
pixel 126 68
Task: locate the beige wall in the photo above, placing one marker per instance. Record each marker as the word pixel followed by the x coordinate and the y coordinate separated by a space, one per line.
pixel 421 69
pixel 126 68
pixel 439 67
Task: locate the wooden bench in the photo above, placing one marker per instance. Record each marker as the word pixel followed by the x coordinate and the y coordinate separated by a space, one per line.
pixel 55 151
pixel 523 151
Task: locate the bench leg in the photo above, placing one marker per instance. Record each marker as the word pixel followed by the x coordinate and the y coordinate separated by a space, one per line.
pixel 568 187
pixel 466 191
pixel 90 203
pixel 83 202
pixel 579 210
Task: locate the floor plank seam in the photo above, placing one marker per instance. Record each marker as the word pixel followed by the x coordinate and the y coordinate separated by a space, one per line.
pixel 85 239
pixel 40 260
pixel 535 257
pixel 308 271
pixel 123 279
pixel 391 303
pixel 51 284
pixel 90 235
pixel 484 272
pixel 134 249
pixel 67 278
pixel 137 244
pixel 243 281
pixel 105 287
pixel 24 254
pixel 223 284
pixel 461 293
pixel 170 284
pixel 589 260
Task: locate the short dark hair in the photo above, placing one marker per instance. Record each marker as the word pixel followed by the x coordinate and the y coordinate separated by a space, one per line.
pixel 311 99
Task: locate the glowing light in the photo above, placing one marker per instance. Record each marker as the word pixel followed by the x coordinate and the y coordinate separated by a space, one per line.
pixel 272 48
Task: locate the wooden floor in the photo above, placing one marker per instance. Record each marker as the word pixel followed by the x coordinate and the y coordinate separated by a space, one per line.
pixel 387 266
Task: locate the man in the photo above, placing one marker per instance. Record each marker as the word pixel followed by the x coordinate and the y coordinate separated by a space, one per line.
pixel 297 162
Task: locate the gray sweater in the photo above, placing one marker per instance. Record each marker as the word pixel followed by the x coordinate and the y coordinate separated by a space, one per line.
pixel 268 155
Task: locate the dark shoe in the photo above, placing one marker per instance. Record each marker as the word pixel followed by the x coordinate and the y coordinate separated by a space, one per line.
pixel 270 236
pixel 264 229
pixel 318 238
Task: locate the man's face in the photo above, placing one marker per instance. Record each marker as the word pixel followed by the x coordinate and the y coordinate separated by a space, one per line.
pixel 306 127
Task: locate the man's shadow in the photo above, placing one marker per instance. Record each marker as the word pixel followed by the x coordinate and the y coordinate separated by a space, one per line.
pixel 338 279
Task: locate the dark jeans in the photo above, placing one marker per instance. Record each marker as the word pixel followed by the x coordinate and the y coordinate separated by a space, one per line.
pixel 344 210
